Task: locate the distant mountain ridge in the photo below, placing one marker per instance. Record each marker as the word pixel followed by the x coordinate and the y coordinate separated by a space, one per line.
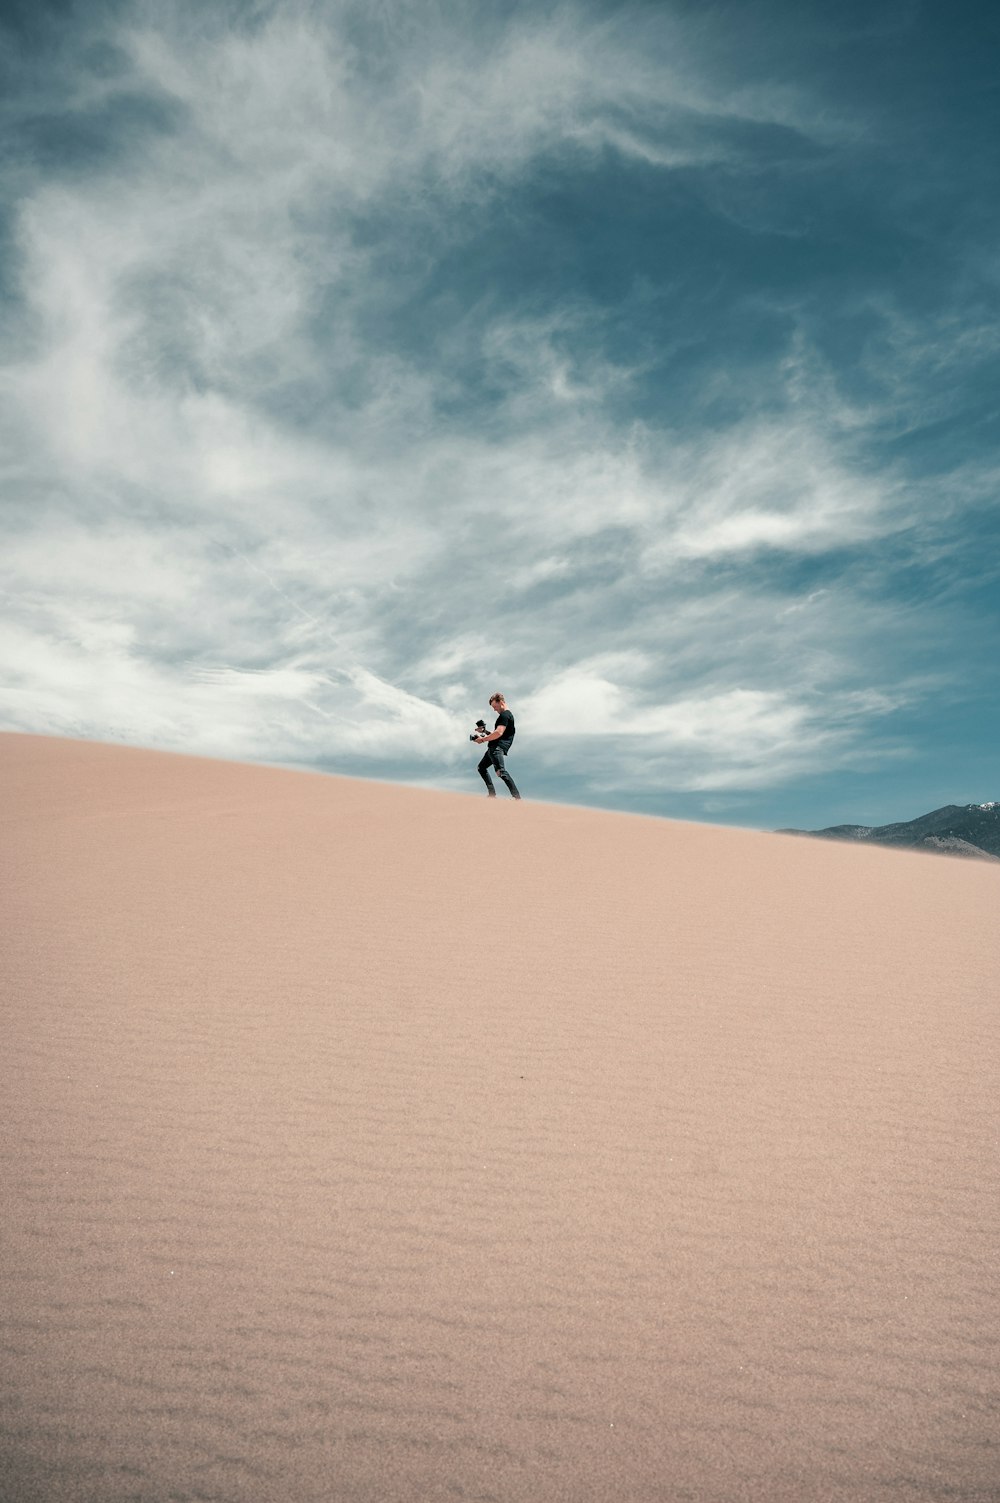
pixel 957 830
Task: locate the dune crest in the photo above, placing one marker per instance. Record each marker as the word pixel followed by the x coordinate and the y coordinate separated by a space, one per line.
pixel 369 1143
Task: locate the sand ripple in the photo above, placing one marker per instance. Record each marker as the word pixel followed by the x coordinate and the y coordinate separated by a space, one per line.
pixel 663 1168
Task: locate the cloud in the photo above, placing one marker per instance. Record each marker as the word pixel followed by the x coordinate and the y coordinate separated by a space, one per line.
pixel 717 739
pixel 323 417
pixel 787 486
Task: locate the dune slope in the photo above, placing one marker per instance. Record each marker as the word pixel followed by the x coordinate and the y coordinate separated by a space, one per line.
pixel 376 1144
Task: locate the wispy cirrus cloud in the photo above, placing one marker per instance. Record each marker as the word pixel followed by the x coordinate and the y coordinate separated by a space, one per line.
pixel 364 358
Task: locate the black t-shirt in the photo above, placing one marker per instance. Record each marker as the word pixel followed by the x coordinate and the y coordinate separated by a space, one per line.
pixel 505 719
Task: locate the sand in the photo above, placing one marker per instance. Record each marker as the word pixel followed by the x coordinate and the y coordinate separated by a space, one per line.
pixel 363 1142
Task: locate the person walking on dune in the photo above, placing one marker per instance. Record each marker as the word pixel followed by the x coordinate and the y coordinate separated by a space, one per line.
pixel 498 743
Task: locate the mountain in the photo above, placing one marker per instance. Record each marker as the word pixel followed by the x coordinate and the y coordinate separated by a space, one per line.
pixel 957 830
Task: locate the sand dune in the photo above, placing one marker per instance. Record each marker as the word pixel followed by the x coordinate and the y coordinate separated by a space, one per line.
pixel 374 1144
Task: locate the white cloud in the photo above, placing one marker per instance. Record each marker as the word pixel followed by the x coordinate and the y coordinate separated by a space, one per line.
pixel 215 568
pixel 583 697
pixel 767 485
pixel 717 740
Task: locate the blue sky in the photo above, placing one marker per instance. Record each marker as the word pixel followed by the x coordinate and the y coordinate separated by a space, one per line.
pixel 639 360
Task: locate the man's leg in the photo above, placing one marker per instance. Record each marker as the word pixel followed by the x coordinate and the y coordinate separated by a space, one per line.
pixel 502 773
pixel 484 771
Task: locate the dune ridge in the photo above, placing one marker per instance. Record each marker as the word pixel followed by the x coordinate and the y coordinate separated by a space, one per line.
pixel 372 1143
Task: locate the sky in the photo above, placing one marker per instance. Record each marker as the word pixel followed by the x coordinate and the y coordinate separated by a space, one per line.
pixel 359 358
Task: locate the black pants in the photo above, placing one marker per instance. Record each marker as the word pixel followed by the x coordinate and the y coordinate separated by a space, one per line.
pixel 494 757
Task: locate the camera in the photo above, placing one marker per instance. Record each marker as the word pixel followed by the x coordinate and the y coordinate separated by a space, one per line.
pixel 480 730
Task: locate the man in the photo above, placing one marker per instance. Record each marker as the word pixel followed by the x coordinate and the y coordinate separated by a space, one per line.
pixel 498 745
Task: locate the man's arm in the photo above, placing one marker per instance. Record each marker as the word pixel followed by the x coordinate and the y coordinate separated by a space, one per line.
pixel 503 729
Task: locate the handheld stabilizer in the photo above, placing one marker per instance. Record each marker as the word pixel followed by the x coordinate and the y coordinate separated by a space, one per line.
pixel 480 730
